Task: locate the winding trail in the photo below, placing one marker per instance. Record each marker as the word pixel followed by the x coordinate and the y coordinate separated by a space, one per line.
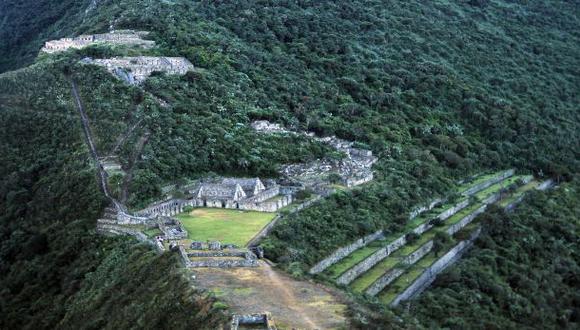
pixel 93 150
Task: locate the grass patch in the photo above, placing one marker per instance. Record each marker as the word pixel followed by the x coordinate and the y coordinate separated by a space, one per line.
pixel 400 284
pixel 224 225
pixel 152 232
pixel 373 274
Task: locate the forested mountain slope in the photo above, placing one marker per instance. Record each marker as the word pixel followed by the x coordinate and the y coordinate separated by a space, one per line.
pixel 438 90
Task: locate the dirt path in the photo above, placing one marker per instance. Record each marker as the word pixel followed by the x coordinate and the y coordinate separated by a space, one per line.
pixel 293 304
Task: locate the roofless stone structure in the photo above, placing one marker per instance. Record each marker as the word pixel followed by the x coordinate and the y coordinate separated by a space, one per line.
pixel 120 37
pixel 135 70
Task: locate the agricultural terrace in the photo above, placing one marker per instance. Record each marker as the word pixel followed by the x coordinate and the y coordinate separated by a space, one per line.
pixel 225 225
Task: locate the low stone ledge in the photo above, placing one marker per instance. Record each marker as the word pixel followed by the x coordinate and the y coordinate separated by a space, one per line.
pixel 215 263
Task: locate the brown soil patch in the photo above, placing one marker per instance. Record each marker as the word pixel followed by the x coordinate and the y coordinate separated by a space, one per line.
pixel 293 304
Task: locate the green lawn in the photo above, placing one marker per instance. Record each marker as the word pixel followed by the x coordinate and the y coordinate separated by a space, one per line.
pixel 224 225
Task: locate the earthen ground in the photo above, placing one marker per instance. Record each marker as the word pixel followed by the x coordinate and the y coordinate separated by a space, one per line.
pixel 293 304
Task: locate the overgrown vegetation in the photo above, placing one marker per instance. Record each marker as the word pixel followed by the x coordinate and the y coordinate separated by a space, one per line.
pixel 438 90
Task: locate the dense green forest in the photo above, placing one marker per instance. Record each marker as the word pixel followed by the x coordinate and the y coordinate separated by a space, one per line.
pixel 522 273
pixel 438 90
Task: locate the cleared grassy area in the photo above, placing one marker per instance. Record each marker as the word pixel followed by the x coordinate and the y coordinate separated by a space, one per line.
pixel 354 258
pixel 224 225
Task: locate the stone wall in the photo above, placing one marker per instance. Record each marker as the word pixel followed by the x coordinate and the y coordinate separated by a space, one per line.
pixel 253 320
pixel 465 221
pixel 546 184
pixel 119 230
pixel 451 211
pixel 418 254
pixel 382 253
pixel 121 37
pixel 137 69
pixel 222 253
pixel 383 281
pixel 489 182
pixel 417 211
pixel 429 275
pixel 342 252
pixel 222 263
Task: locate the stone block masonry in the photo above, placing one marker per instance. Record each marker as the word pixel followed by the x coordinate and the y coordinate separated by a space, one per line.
pixel 418 211
pixel 429 275
pixel 253 321
pixel 383 281
pixel 342 252
pixel 120 37
pixel 489 182
pixel 368 263
pixel 134 70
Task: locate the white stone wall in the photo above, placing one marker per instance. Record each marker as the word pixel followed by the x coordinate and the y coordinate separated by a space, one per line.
pixel 342 252
pixel 489 182
pixel 429 275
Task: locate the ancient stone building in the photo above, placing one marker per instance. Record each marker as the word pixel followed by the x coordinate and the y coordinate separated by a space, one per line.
pixel 120 37
pixel 354 169
pixel 135 70
pixel 230 193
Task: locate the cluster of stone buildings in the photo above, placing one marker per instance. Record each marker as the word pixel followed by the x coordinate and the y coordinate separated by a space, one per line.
pixel 120 37
pixel 134 70
pixel 354 169
pixel 229 193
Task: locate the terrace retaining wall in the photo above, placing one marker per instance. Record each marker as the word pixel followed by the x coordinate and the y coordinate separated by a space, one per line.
pixel 418 254
pixel 429 275
pixel 342 252
pixel 416 212
pixel 385 280
pixel 382 253
pixel 488 182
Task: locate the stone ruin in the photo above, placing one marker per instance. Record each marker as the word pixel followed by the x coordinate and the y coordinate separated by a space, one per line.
pixel 171 228
pixel 119 37
pixel 253 321
pixel 134 70
pixel 353 170
pixel 229 193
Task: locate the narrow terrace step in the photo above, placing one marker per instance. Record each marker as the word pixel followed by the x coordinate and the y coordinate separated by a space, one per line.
pixel 384 272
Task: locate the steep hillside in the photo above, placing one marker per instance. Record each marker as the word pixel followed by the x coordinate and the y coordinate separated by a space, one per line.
pixel 523 271
pixel 56 271
pixel 438 90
